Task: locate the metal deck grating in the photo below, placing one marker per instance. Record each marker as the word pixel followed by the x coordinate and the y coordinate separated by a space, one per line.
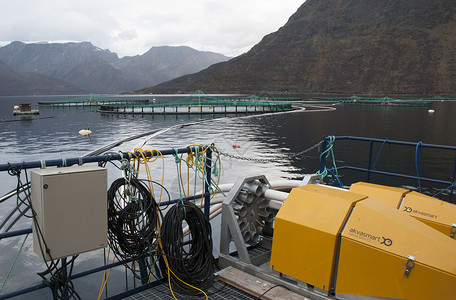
pixel 257 251
pixel 219 290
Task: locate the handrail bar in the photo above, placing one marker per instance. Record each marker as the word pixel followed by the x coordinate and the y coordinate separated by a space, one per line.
pixel 393 174
pixel 387 141
pixel 86 159
pixel 328 140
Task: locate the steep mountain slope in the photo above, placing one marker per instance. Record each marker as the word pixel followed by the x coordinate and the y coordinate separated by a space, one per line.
pixel 346 46
pixel 101 71
pixel 160 64
pixel 59 60
pixel 98 76
pixel 17 83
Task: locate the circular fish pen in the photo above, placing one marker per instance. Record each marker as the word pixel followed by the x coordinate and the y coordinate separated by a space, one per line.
pixel 200 103
pixel 91 100
pixel 386 101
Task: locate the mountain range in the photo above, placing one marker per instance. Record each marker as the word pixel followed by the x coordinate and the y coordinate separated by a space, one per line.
pixel 80 67
pixel 344 46
pixel 14 83
pixel 389 47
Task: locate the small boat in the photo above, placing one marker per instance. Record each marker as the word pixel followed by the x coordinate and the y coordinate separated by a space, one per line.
pixel 25 109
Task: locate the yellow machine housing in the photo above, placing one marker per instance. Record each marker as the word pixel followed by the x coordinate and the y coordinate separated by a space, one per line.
pixel 436 213
pixel 306 231
pixel 391 195
pixel 352 245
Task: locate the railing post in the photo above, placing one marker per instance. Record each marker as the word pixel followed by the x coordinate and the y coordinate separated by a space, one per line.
pixel 143 270
pixel 389 163
pixel 323 157
pixel 207 182
pixel 453 181
pixel 371 144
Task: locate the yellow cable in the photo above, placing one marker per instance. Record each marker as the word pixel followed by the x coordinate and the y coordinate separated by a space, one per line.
pixel 104 282
pixel 152 158
pixel 142 158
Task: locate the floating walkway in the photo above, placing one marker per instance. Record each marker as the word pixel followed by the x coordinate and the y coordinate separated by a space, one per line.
pixel 92 100
pixel 201 103
pixel 387 101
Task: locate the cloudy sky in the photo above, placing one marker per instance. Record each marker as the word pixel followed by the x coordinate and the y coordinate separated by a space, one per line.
pixel 133 27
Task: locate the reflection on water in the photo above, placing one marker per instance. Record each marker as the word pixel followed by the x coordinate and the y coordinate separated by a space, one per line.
pixel 274 138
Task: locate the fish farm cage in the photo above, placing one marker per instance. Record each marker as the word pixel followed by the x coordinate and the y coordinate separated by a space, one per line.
pixel 200 103
pixel 403 101
pixel 91 100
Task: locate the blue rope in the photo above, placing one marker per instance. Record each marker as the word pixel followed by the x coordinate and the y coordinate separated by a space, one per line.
pixel 446 189
pixel 419 170
pixel 337 178
pixel 378 155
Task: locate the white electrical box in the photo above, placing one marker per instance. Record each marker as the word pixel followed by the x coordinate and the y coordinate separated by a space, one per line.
pixel 71 210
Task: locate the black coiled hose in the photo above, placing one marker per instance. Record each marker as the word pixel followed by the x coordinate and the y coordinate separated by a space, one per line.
pixel 191 262
pixel 132 218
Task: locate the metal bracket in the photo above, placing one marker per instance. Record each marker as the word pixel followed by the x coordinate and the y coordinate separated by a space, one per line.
pixel 311 179
pixel 409 264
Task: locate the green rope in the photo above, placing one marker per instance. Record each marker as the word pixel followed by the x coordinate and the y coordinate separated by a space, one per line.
pixel 325 154
pixel 198 165
pixel 128 171
pixel 14 262
pixel 177 160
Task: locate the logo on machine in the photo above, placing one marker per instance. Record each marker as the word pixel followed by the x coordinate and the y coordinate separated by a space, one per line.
pixel 371 237
pixel 386 241
pixel 409 209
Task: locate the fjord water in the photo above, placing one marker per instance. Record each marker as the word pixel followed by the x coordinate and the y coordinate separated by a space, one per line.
pixel 276 138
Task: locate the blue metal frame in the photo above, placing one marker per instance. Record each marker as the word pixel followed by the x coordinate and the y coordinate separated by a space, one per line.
pixel 93 159
pixel 84 159
pixel 370 170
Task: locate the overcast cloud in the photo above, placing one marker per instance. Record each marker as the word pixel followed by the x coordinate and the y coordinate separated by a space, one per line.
pixel 133 27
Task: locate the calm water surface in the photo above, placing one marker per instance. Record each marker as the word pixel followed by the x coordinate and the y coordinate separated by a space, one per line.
pixel 54 134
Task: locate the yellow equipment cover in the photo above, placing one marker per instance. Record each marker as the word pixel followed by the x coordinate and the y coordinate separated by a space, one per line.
pixel 306 230
pixel 352 245
pixel 436 213
pixel 378 242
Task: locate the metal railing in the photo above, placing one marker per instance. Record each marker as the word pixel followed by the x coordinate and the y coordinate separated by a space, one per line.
pixel 99 159
pixel 370 168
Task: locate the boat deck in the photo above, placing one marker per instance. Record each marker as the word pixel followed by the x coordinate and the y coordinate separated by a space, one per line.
pixel 230 283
